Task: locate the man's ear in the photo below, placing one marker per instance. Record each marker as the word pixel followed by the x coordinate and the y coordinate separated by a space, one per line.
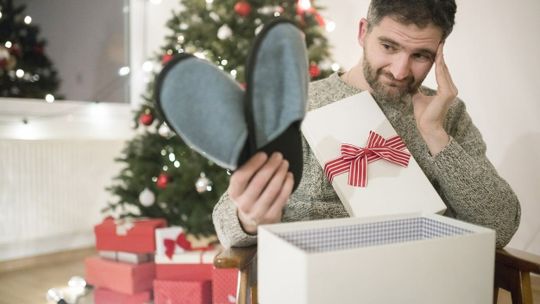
pixel 362 31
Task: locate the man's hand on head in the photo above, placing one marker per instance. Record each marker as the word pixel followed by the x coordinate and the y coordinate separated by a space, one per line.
pixel 430 111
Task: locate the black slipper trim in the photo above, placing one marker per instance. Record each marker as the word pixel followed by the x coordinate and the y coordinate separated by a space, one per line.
pixel 250 66
pixel 159 83
pixel 286 141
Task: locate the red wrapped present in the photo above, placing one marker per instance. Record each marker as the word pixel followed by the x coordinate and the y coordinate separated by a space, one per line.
pixel 184 271
pixel 118 276
pixel 224 283
pixel 182 292
pixel 106 296
pixel 128 235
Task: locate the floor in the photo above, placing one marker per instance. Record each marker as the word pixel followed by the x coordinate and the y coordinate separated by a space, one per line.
pixel 29 286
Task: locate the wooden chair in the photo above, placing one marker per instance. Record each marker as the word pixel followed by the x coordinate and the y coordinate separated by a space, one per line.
pixel 512 272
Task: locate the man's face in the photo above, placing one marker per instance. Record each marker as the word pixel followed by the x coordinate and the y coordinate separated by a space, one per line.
pixel 397 57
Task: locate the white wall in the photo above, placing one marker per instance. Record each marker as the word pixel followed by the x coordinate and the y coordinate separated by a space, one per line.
pixel 54 170
pixel 493 55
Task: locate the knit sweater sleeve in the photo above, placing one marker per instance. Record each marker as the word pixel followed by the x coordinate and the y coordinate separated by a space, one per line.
pixel 469 183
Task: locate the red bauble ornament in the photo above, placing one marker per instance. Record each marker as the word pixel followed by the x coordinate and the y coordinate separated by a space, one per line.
pixel 166 58
pixel 162 181
pixel 242 8
pixel 146 119
pixel 314 70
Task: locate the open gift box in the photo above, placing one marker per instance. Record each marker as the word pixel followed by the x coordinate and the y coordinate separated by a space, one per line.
pixel 394 259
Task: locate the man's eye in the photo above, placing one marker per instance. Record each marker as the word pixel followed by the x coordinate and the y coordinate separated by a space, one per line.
pixel 387 47
pixel 422 57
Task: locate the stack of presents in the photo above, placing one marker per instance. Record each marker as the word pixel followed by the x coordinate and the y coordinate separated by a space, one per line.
pixel 144 261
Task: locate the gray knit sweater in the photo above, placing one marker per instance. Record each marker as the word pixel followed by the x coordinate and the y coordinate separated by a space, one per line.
pixel 461 174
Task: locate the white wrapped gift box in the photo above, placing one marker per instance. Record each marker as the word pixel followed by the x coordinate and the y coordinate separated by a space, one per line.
pixel 391 189
pixel 394 259
pixel 188 257
pixel 167 233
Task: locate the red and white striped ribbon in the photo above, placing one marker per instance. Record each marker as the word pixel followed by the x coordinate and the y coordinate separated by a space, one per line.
pixel 355 159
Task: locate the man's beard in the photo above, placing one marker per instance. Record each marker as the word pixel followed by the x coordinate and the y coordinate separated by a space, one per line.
pixel 388 92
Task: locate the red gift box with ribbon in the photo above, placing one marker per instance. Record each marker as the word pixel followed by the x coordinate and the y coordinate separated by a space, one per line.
pixel 106 296
pixel 178 259
pixel 182 292
pixel 130 235
pixel 120 277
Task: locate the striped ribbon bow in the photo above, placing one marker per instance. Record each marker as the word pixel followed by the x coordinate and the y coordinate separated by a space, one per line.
pixel 354 159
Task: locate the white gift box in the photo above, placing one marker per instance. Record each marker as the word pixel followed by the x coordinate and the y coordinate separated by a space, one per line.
pixel 391 189
pixel 394 259
pixel 107 254
pixel 188 257
pixel 126 257
pixel 167 233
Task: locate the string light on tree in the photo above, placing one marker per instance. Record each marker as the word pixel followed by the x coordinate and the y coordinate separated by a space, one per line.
pixel 148 66
pixel 19 73
pixel 330 26
pixel 224 32
pixel 214 16
pixel 147 197
pixel 49 98
pixel 123 71
pixel 304 4
pixel 27 19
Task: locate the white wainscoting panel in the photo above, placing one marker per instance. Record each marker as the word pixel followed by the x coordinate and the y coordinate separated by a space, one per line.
pixel 51 193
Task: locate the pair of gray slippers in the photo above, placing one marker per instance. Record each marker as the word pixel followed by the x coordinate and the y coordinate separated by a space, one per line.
pixel 210 111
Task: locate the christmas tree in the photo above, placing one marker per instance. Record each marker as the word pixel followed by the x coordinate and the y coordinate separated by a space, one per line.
pixel 25 70
pixel 163 177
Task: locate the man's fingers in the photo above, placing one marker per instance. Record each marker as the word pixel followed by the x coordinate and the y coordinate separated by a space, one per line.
pixel 446 87
pixel 259 181
pixel 271 191
pixel 241 177
pixel 277 207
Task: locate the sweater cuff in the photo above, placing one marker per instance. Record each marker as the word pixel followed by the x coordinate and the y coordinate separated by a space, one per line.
pixel 228 227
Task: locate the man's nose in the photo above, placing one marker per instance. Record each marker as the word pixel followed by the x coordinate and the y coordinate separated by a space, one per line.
pixel 400 67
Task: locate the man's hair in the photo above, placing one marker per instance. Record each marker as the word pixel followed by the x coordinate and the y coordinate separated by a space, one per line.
pixel 418 12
